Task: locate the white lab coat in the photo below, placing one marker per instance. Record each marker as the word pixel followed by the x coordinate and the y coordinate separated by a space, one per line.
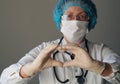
pixel 99 52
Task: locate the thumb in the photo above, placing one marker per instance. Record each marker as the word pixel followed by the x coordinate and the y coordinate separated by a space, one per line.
pixel 68 63
pixel 57 63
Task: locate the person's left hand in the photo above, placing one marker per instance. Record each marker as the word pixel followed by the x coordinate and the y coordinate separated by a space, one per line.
pixel 82 59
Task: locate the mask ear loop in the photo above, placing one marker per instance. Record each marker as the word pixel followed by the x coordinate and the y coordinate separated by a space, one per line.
pixel 54 67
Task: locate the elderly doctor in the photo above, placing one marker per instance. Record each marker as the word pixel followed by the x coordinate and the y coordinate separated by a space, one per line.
pixel 71 59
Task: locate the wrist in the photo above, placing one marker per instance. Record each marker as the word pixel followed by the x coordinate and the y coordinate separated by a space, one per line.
pixel 22 74
pixel 108 70
pixel 97 67
pixel 27 71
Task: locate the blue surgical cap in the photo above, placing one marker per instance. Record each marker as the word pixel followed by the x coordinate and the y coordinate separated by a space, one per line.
pixel 87 5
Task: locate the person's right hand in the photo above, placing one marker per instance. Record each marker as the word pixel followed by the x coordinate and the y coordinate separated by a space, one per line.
pixel 43 61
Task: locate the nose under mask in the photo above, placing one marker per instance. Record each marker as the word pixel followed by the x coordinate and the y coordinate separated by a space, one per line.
pixel 74 30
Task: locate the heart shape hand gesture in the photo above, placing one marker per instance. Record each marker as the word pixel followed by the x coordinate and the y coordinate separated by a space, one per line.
pixel 81 59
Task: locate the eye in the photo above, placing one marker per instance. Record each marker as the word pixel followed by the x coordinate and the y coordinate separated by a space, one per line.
pixel 69 16
pixel 83 16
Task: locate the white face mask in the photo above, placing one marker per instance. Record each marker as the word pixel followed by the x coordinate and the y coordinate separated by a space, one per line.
pixel 74 30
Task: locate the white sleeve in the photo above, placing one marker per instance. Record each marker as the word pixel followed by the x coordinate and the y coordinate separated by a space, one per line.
pixel 109 56
pixel 10 75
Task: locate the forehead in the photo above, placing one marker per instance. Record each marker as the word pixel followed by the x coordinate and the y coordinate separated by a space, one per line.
pixel 74 9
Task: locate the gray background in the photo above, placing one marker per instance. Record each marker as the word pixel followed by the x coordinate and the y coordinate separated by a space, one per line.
pixel 24 24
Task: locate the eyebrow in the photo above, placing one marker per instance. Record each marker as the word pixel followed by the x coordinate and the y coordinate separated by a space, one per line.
pixel 78 13
pixel 82 12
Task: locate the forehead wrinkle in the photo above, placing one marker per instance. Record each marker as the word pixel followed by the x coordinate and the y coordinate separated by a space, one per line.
pixel 73 9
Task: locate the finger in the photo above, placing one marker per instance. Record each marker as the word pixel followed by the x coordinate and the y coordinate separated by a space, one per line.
pixel 64 48
pixel 60 49
pixel 72 46
pixel 68 63
pixel 50 48
pixel 46 52
pixel 57 63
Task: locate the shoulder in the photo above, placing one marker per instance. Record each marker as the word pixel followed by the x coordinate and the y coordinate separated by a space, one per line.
pixel 95 45
pixel 102 51
pixel 99 46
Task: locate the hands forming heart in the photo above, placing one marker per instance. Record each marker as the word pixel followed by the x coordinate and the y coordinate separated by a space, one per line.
pixel 81 59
